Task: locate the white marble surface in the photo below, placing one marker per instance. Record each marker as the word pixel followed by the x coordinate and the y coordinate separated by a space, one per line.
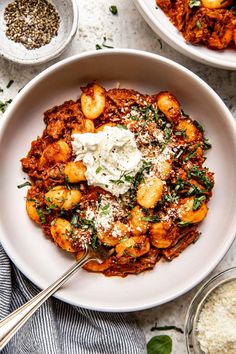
pixel 129 30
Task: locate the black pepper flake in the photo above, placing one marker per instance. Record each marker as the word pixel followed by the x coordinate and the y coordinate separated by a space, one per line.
pixel 32 23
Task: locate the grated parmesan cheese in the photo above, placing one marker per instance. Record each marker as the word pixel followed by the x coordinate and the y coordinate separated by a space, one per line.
pixel 216 327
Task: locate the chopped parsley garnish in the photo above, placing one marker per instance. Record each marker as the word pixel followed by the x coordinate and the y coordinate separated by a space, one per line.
pixel 104 43
pixel 74 220
pixel 166 328
pixel 170 198
pixel 199 126
pixel 40 214
pixel 128 178
pixel 4 105
pixel 192 153
pixel 206 144
pixel 25 184
pixel 94 241
pixel 137 180
pixel 117 181
pixel 152 218
pixel 194 190
pixel 198 24
pixel 198 202
pixel 121 126
pixel 113 10
pixel 181 133
pixel 98 169
pixel 193 3
pixel 105 210
pixel 124 178
pixel 184 114
pixel 98 46
pixel 201 175
pixel 10 83
pixel 184 223
pixel 180 184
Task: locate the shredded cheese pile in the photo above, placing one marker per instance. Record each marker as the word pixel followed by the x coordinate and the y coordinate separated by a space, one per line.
pixel 216 328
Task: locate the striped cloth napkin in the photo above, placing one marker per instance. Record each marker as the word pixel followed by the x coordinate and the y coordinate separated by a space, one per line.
pixel 63 329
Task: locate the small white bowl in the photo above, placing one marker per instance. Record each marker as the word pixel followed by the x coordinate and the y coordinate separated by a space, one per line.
pixel 16 52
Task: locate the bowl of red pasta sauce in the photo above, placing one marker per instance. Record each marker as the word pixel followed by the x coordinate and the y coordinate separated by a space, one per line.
pixel 203 30
pixel 127 159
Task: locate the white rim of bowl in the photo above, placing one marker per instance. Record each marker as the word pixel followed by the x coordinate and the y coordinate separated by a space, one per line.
pixel 132 52
pixel 181 46
pixel 58 52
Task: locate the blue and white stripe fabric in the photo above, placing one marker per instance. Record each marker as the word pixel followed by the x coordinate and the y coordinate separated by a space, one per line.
pixel 63 329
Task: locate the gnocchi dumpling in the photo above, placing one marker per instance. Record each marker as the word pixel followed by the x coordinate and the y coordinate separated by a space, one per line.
pixel 58 151
pixel 62 197
pixel 93 101
pixel 216 4
pixel 134 246
pixel 190 132
pixel 150 192
pixel 75 171
pixel 159 234
pixel 138 226
pixel 32 211
pixel 188 215
pixel 61 232
pixel 169 105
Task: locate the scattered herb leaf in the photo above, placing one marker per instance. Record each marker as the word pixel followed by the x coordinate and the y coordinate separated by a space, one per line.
pixel 167 328
pixel 121 126
pixel 152 218
pixel 10 83
pixel 198 24
pixel 113 10
pixel 4 105
pixel 105 210
pixel 74 220
pixel 104 43
pixel 25 184
pixel 193 3
pixel 198 201
pixel 98 169
pixel 206 144
pixel 159 345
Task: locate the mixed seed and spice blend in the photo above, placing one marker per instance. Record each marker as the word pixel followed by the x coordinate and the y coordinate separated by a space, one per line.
pixel 32 23
pixel 120 169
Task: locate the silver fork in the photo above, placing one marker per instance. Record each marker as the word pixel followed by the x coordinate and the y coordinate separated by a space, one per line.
pixel 13 322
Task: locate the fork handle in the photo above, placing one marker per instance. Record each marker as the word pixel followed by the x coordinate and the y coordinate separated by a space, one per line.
pixel 13 322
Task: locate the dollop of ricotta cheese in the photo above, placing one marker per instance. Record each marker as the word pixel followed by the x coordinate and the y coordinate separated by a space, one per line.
pixel 110 156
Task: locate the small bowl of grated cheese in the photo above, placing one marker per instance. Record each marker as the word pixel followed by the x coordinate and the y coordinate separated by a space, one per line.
pixel 210 326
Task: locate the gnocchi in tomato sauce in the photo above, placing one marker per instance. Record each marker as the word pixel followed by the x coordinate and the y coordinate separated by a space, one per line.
pixel 121 169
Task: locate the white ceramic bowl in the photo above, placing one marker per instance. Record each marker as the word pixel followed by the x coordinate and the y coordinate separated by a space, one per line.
pixel 38 258
pixel 160 24
pixel 16 52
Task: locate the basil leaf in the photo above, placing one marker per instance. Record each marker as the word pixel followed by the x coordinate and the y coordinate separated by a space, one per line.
pixel 159 345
